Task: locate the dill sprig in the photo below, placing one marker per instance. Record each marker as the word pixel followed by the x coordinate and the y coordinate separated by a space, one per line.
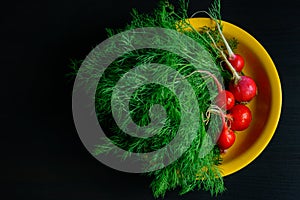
pixel 191 171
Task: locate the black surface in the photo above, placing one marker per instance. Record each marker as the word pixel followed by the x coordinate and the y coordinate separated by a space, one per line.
pixel 42 155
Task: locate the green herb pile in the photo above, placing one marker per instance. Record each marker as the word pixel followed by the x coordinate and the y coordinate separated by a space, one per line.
pixel 191 171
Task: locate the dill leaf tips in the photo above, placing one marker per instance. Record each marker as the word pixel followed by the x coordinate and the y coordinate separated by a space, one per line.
pixel 191 171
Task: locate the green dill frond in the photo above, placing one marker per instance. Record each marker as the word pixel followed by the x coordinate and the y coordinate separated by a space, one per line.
pixel 191 171
pixel 215 10
pixel 74 66
pixel 233 43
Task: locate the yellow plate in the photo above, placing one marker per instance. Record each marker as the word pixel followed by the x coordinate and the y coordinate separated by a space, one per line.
pixel 265 107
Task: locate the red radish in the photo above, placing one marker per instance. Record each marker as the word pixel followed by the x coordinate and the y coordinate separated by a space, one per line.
pixel 236 60
pixel 244 90
pixel 240 117
pixel 226 138
pixel 225 99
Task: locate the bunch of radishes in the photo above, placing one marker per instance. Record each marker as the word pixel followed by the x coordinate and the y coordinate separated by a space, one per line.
pixel 241 90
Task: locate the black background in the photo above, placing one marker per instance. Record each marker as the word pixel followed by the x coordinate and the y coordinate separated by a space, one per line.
pixel 42 155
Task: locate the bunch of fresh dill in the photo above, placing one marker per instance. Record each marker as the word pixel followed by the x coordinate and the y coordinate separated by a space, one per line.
pixel 191 171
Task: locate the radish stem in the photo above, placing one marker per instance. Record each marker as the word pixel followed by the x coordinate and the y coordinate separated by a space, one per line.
pixel 236 76
pixel 230 52
pixel 219 85
pixel 216 110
